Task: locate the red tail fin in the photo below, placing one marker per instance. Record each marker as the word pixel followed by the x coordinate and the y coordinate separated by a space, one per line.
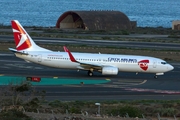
pixel 21 38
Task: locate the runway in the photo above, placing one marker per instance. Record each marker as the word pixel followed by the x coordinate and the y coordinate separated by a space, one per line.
pixel 103 43
pixel 124 86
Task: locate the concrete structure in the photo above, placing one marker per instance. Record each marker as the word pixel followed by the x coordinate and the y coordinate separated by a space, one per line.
pixel 94 20
pixel 176 25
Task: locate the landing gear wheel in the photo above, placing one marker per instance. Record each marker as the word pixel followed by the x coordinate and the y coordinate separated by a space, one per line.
pixel 155 77
pixel 90 73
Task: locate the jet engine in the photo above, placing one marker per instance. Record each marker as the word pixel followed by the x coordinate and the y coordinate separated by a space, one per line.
pixel 108 70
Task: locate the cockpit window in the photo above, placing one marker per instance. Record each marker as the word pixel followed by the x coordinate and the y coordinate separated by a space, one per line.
pixel 163 63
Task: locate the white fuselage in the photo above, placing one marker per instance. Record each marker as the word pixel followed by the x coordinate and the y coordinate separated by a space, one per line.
pixel 107 64
pixel 126 63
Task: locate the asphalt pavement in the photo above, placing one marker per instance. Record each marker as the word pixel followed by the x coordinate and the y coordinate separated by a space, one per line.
pixel 124 86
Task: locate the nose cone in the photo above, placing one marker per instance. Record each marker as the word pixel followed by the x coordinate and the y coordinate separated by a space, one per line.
pixel 170 67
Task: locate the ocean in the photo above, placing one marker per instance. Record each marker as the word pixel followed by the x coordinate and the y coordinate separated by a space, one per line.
pixel 147 13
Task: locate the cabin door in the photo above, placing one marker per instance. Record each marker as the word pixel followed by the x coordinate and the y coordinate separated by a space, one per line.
pixel 154 63
pixel 39 58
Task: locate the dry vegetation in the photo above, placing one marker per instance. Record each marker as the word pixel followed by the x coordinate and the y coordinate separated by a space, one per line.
pixel 20 102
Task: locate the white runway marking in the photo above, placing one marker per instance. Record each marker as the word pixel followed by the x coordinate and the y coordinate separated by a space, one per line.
pixel 11 61
pixel 6 54
pixel 153 90
pixel 21 66
pixel 124 83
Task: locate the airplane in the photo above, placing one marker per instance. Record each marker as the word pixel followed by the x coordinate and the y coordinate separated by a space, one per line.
pixel 107 64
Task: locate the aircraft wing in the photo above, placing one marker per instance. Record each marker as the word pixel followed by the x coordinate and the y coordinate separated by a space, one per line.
pixel 83 65
pixel 90 66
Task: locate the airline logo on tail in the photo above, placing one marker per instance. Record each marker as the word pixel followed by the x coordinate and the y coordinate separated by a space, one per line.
pixel 21 38
pixel 143 64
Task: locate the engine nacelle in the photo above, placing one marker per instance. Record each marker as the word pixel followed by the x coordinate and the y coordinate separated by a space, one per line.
pixel 109 70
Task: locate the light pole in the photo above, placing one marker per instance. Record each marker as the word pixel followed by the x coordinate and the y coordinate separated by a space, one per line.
pixel 98 104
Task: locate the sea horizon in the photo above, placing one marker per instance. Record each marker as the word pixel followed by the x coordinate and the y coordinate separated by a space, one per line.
pixel 46 13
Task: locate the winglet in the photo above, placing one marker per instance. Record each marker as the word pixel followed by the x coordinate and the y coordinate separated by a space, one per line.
pixel 65 49
pixel 70 55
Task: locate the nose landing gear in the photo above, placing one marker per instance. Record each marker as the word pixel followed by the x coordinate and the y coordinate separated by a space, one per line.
pixel 90 73
pixel 156 76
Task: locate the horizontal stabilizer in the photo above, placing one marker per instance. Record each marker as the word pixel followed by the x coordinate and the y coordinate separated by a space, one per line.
pixel 15 51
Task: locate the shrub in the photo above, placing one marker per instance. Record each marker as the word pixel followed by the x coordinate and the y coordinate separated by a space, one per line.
pixel 122 111
pixel 13 115
pixel 106 38
pixel 23 87
pixel 75 110
pixel 32 105
pixel 56 104
pixel 125 32
pixel 166 111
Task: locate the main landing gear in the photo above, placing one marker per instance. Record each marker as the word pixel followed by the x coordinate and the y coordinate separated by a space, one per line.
pixel 90 73
pixel 155 76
